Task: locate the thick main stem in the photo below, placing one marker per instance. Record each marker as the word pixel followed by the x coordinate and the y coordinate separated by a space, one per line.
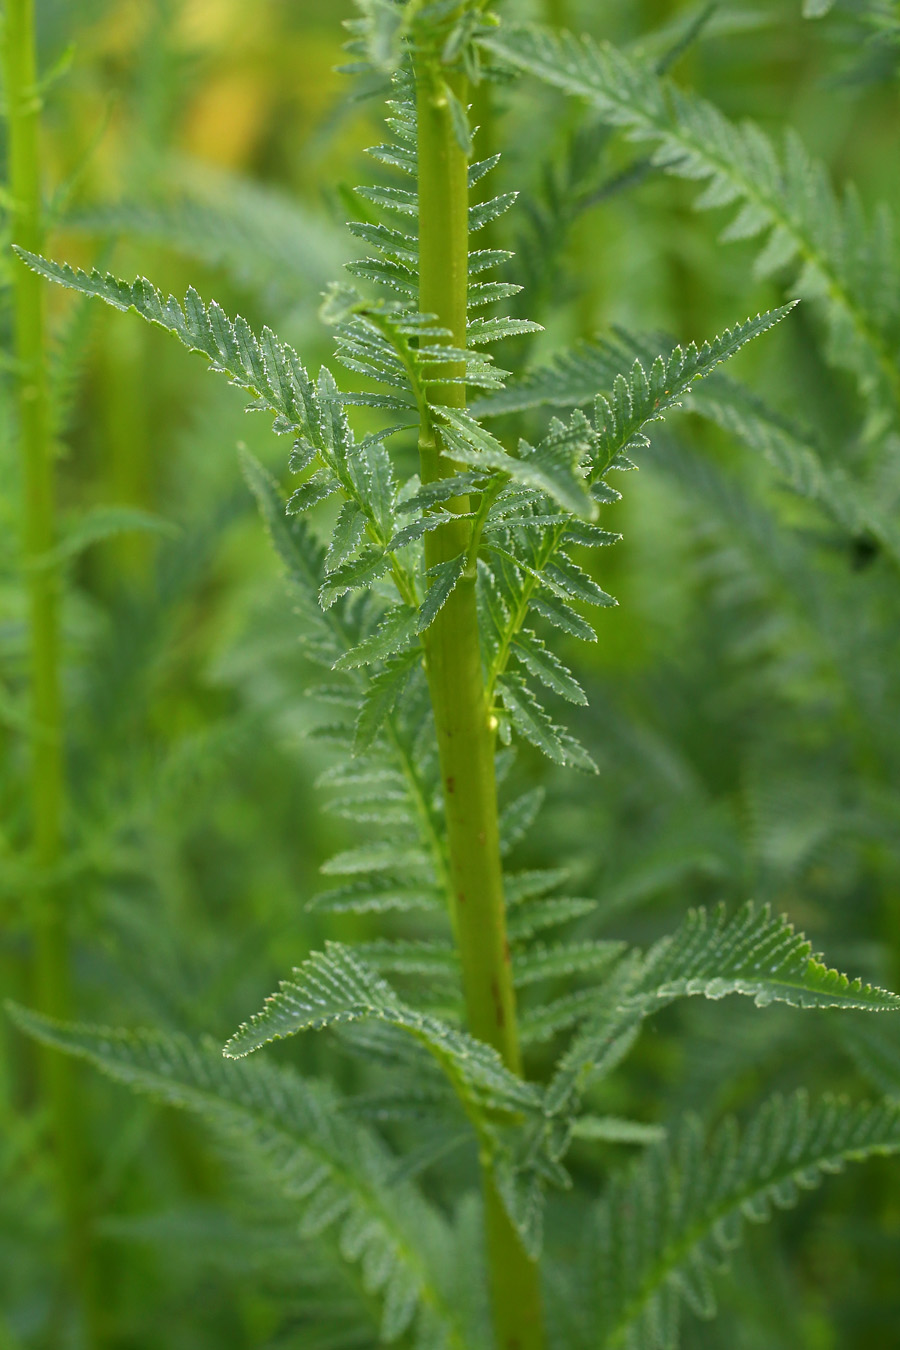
pixel 51 965
pixel 456 682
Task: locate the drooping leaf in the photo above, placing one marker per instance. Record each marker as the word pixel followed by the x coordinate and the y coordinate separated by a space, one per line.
pixel 335 1169
pixel 333 987
pixel 712 955
pixel 781 192
pixel 666 1228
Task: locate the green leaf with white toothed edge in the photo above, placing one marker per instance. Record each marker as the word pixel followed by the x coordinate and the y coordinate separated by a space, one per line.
pixel 334 987
pixel 571 378
pixel 710 955
pixel 336 1171
pixel 533 722
pixel 551 468
pixel 396 631
pixel 375 857
pixel 349 532
pixel 316 489
pixel 641 397
pixel 355 575
pixel 780 191
pixel 755 954
pixel 381 697
pixel 543 663
pixel 444 578
pixel 574 378
pixel 229 344
pixel 681 1210
pixel 270 372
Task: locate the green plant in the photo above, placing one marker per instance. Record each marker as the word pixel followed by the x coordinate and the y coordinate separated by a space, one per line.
pixel 47 900
pixel 422 605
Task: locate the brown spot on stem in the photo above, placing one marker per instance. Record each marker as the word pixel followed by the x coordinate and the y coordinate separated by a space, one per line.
pixel 481 838
pixel 461 897
pixel 451 786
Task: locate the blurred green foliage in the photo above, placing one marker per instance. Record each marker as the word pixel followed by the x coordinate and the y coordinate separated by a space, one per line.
pixel 744 696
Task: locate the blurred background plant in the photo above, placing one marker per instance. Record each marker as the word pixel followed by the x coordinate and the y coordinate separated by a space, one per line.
pixel 744 696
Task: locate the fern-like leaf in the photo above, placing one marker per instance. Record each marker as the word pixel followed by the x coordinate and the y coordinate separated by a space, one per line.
pixel 226 220
pixel 875 1050
pixel 781 192
pixel 641 398
pixel 667 1227
pixel 334 987
pixel 334 1168
pixel 574 376
pixel 712 955
pixel 755 954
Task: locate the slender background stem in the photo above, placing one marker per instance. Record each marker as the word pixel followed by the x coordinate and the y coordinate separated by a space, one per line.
pixel 51 959
pixel 458 696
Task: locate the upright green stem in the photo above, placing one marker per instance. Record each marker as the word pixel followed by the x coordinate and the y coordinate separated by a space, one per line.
pixel 456 682
pixel 51 965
